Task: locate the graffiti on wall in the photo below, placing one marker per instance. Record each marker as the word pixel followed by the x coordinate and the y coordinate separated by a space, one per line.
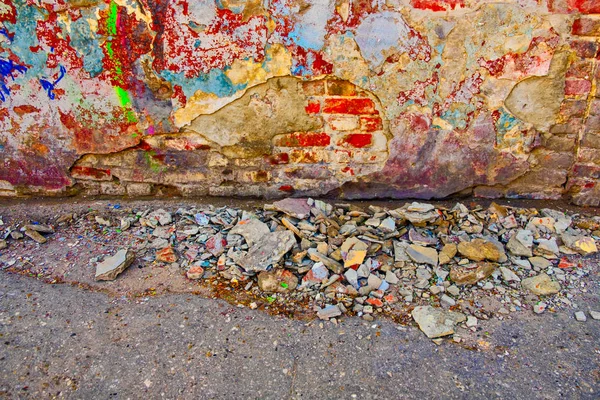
pixel 352 98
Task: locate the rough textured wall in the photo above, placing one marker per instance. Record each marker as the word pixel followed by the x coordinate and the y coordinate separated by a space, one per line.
pixel 352 98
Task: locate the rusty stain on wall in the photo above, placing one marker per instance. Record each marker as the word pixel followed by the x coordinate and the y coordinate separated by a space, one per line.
pixel 347 98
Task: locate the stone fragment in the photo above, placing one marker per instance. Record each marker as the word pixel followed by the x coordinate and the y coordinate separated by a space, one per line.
pixel 447 301
pixel 471 321
pixel 541 285
pixel 108 269
pixel 539 307
pixel 40 228
pixel 479 250
pixel 448 252
pixel 353 252
pixel 400 251
pixel 541 225
pixel 161 216
pixel 195 272
pixel 277 281
pixel 374 282
pixel 508 275
pixel 416 213
pixel 251 229
pixel 520 244
pixel 422 255
pixel 288 224
pixel 16 235
pixel 352 277
pixel 102 221
pixel 453 290
pixel 373 222
pixel 471 274
pixel 580 316
pixel 328 312
pixel 216 245
pixel 424 240
pixel 166 255
pixel 267 251
pixel 595 314
pixel 330 263
pixel 547 248
pixel 391 278
pixel 3 244
pixel 435 322
pixel 294 207
pixel 388 225
pixel 540 262
pixel 584 245
pixel 35 236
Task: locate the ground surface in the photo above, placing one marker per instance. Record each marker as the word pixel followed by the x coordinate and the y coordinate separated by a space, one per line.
pixel 80 341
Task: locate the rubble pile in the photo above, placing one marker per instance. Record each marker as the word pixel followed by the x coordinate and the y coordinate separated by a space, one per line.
pixel 446 266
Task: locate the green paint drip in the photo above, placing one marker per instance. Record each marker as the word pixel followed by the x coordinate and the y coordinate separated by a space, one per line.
pixel 122 94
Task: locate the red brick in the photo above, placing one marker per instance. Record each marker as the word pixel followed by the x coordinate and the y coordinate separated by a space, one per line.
pixel 286 188
pixel 558 6
pixel 575 87
pixel 581 69
pixel 573 125
pixel 586 171
pixel 573 108
pixel 314 88
pixel 349 106
pixel 584 6
pixel 277 159
pixel 98 174
pixel 303 139
pixel 341 88
pixel 313 107
pixel 305 157
pixel 586 27
pixel 357 140
pixel 584 49
pixel 371 124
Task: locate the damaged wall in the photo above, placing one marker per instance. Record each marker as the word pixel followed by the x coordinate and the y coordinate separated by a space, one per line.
pixel 349 98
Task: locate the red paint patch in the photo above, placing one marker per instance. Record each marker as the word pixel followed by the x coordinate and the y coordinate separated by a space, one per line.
pixel 575 87
pixel 349 106
pixel 25 109
pixel 437 5
pixel 584 6
pixel 286 188
pixel 313 107
pixel 89 172
pixel 375 302
pixel 277 159
pixel 371 124
pixel 358 140
pixel 304 139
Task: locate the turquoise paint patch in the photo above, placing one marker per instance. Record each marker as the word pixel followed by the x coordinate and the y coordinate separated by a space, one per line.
pixel 215 82
pixel 456 118
pixel 86 43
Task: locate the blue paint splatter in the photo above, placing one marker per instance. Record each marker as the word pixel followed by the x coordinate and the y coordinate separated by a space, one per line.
pixel 5 33
pixel 7 68
pixel 49 86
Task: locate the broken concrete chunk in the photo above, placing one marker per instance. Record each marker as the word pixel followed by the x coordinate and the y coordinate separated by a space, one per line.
pixel 251 229
pixel 3 244
pixel 166 255
pixel 416 213
pixel 400 251
pixel 520 244
pixel 422 255
pixel 40 228
pixel 435 322
pixel 508 275
pixel 161 216
pixel 268 251
pixel 328 312
pixel 278 281
pixel 195 272
pixel 297 208
pixel 541 285
pixel 471 274
pixel 35 236
pixel 330 263
pixel 353 252
pixel 111 267
pixel 479 250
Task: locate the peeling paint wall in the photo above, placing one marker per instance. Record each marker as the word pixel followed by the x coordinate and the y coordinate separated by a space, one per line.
pixel 349 98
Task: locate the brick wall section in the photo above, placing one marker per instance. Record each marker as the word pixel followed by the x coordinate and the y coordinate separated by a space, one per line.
pixel 352 142
pixel 582 89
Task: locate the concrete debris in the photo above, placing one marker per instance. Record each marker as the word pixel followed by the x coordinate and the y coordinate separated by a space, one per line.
pixel 580 316
pixel 111 267
pixel 341 259
pixel 435 322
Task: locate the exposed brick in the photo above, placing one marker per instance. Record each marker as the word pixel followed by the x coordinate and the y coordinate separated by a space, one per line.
pixel 358 140
pixel 313 107
pixel 344 122
pixel 307 156
pixel 595 107
pixel 575 87
pixel 586 26
pixel 586 171
pixel 592 124
pixel 558 6
pixel 371 124
pixel 581 69
pixel 353 106
pixel 278 159
pixel 584 6
pixel 585 49
pixel 253 176
pixel 340 88
pixel 314 88
pixel 551 159
pixel 139 189
pixel 560 143
pixel 302 139
pixel 543 177
pixel 574 108
pixel 574 125
pixel 97 174
pixel 112 189
pixel 591 140
pixel 587 155
pixel 309 172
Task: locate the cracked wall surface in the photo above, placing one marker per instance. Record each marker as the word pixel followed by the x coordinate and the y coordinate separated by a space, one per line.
pixel 346 98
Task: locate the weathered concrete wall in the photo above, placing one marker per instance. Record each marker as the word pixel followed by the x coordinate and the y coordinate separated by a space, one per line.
pixel 353 98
